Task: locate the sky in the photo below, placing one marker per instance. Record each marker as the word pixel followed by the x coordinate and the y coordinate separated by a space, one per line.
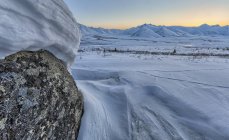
pixel 122 14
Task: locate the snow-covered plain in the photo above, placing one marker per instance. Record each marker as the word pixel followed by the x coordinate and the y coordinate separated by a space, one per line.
pixel 131 96
pixel 195 44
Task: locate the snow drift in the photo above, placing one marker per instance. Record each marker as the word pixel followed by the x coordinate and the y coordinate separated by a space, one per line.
pixel 153 98
pixel 38 24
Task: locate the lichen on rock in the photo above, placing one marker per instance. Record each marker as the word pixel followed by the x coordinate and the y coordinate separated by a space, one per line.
pixel 38 98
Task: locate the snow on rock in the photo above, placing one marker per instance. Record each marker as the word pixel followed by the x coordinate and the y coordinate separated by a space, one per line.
pixel 38 24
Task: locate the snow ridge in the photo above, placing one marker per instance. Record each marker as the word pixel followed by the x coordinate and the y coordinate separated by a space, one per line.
pixel 34 25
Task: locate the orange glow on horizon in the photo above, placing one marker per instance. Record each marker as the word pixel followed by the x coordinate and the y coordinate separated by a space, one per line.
pixel 122 27
pixel 189 18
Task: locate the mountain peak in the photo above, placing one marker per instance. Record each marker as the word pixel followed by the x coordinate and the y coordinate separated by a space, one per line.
pixel 149 30
pixel 146 25
pixel 205 25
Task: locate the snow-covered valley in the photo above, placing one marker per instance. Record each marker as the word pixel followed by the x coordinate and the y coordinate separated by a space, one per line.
pixel 137 96
pixel 144 83
pixel 203 39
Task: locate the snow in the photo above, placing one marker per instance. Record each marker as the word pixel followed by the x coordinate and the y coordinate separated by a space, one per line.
pixel 129 94
pixel 185 45
pixel 153 31
pixel 145 32
pixel 164 32
pixel 33 25
pixel 135 96
pixel 100 31
pixel 153 97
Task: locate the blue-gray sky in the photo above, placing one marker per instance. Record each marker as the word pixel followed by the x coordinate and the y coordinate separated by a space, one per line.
pixel 129 13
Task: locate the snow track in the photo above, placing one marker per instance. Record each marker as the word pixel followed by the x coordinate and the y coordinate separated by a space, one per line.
pixel 181 80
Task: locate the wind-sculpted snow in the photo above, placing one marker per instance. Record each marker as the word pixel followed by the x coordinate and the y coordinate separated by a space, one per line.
pixel 153 98
pixel 38 24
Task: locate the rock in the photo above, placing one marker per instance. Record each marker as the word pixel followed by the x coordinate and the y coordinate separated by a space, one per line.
pixel 38 98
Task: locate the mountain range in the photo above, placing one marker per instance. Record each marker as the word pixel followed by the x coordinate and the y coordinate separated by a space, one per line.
pixel 149 30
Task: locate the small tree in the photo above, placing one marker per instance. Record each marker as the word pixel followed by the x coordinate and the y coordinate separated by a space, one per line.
pixel 174 51
pixel 104 52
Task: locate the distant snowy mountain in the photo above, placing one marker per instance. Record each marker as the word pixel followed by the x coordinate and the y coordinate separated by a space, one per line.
pixel 210 30
pixel 203 30
pixel 225 30
pixel 165 32
pixel 180 32
pixel 149 30
pixel 85 30
pixel 144 31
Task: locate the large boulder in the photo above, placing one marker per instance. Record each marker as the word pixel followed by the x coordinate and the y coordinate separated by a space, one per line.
pixel 38 98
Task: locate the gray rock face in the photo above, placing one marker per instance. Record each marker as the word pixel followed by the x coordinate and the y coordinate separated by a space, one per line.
pixel 38 98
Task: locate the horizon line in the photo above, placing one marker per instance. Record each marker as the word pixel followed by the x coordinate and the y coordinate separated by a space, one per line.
pixel 124 28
